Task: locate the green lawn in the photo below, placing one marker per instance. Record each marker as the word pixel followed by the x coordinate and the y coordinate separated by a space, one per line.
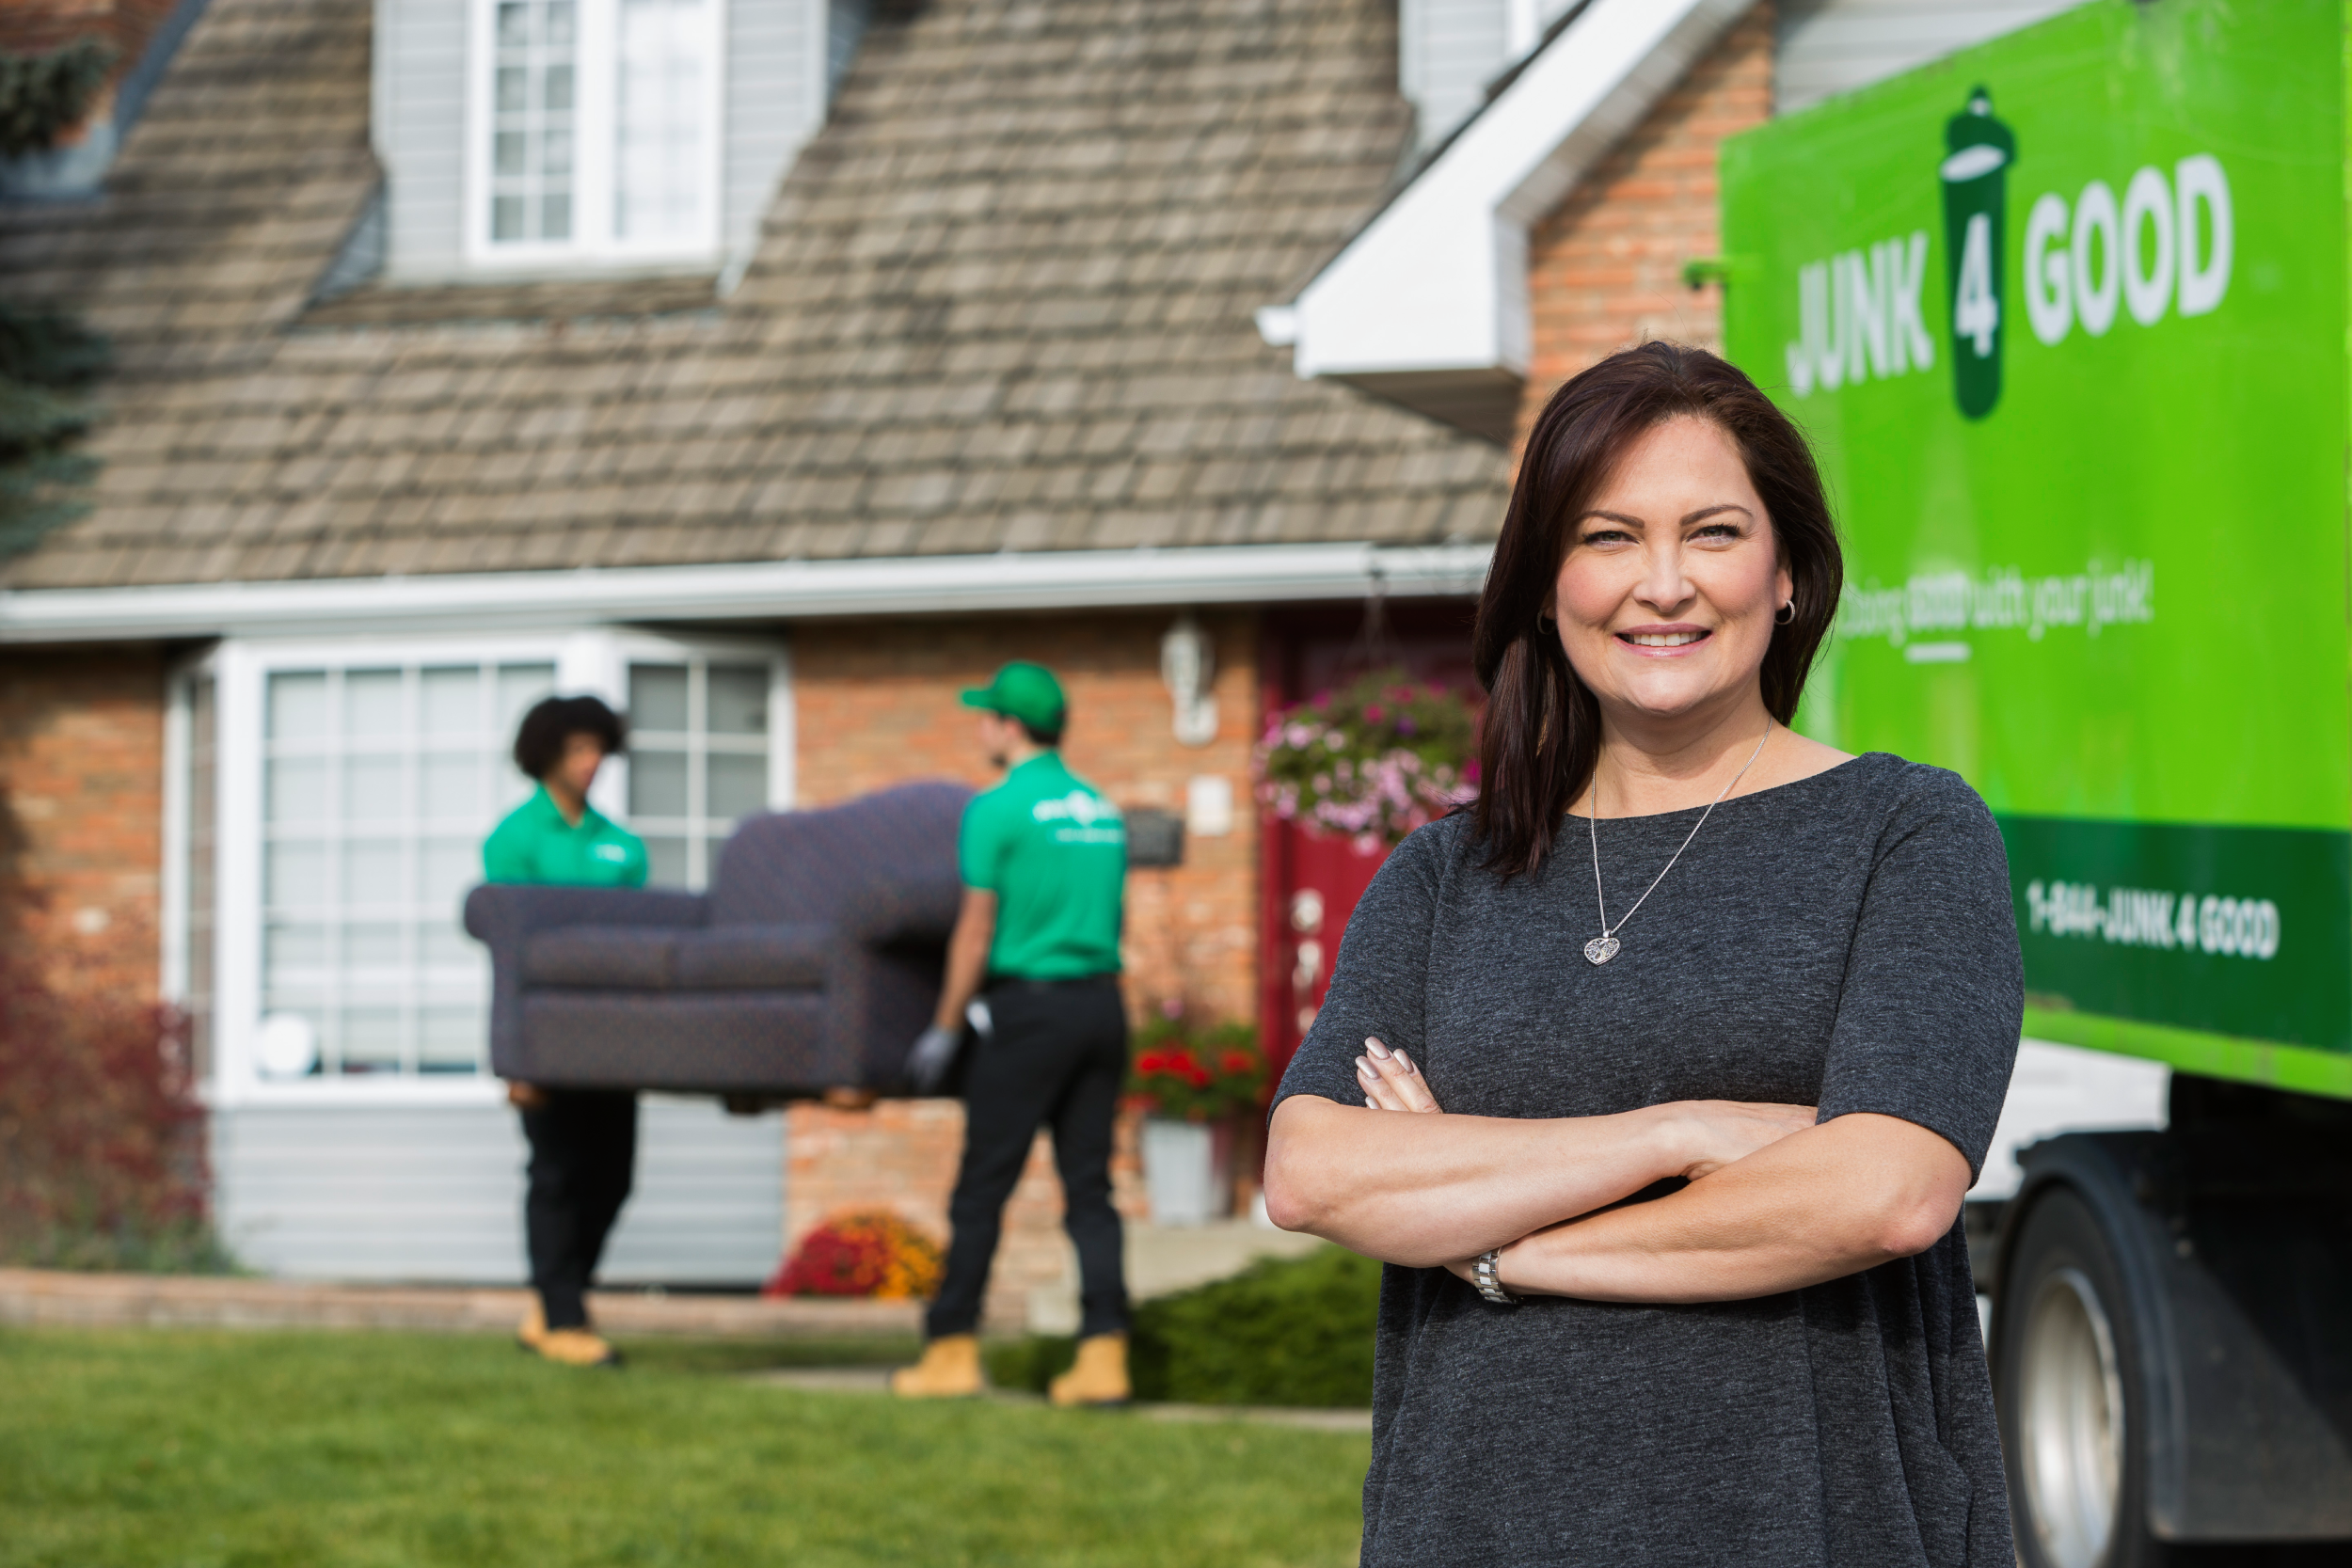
pixel 195 1450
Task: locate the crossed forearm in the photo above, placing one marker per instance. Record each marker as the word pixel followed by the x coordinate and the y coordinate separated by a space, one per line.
pixel 1819 1204
pixel 1425 1191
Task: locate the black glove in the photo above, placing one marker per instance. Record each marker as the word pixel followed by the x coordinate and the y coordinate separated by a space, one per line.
pixel 933 1056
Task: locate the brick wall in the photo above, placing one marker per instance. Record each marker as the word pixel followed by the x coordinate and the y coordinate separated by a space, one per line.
pixel 1605 269
pixel 876 703
pixel 37 26
pixel 81 815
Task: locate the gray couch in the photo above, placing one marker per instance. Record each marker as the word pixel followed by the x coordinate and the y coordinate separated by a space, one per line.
pixel 811 964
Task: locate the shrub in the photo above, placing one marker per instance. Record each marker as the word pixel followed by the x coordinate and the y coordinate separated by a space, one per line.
pixel 101 1140
pixel 865 1253
pixel 1285 1331
pixel 42 96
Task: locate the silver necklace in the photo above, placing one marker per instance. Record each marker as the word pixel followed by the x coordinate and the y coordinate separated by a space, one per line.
pixel 1604 947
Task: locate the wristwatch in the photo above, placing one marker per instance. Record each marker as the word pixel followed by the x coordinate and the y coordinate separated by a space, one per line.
pixel 1482 1277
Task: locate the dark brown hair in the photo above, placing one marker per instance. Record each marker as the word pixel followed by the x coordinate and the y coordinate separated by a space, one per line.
pixel 1541 734
pixel 552 722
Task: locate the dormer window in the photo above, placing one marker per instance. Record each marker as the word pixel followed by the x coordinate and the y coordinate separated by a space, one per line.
pixel 553 139
pixel 596 131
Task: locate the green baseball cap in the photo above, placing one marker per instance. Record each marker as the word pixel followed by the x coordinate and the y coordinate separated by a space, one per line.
pixel 1024 692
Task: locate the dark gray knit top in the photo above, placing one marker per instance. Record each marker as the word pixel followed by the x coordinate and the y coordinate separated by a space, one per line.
pixel 1845 941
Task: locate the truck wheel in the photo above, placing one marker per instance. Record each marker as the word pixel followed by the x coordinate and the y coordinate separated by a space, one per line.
pixel 2066 1380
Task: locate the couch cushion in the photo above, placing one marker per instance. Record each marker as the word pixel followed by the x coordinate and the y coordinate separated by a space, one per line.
pixel 723 1042
pixel 759 958
pixel 627 958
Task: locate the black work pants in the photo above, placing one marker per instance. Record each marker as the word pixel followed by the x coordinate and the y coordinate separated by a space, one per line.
pixel 1056 1058
pixel 583 1152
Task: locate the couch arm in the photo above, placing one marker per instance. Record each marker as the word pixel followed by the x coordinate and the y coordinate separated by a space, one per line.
pixel 504 915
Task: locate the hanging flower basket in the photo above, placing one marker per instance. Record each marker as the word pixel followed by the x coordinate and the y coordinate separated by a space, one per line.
pixel 1374 761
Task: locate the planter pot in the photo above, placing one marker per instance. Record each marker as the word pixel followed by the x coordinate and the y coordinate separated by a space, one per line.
pixel 1188 1170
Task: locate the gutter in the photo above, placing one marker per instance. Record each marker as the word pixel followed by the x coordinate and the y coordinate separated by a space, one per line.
pixel 754 590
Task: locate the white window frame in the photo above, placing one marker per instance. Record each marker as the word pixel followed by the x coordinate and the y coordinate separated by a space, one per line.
pixel 595 88
pixel 616 651
pixel 593 660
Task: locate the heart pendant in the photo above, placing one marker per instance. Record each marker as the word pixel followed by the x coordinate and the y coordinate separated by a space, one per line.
pixel 1601 950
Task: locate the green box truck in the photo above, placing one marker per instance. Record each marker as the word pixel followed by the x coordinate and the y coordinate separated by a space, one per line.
pixel 2067 317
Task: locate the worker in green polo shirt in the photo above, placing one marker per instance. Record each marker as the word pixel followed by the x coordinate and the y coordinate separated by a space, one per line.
pixel 583 1142
pixel 1044 865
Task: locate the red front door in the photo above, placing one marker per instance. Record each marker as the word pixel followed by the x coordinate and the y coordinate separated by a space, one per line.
pixel 1311 881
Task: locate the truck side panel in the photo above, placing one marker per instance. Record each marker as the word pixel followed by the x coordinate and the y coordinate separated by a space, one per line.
pixel 2065 315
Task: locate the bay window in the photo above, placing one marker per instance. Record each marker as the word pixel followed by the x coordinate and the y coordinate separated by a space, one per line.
pixel 329 817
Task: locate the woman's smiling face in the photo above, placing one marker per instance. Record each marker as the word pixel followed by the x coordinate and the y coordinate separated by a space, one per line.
pixel 1666 594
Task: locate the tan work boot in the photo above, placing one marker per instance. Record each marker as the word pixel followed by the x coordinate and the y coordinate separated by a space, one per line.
pixel 534 1328
pixel 577 1347
pixel 950 1370
pixel 1100 1376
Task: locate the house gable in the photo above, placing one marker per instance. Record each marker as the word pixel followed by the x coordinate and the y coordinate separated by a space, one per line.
pixel 1428 305
pixel 1453 247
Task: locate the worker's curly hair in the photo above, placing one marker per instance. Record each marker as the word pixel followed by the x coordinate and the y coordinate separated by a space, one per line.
pixel 539 744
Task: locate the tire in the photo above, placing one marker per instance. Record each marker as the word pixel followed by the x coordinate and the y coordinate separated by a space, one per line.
pixel 2066 1377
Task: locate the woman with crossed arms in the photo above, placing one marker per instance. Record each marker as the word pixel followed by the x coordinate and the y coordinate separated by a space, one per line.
pixel 1658 1077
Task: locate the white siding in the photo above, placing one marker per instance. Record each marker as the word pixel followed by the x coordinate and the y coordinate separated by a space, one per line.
pixel 777 85
pixel 1827 47
pixel 1448 51
pixel 435 1193
pixel 420 130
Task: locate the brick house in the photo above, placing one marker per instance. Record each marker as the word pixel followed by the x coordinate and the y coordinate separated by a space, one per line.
pixel 776 366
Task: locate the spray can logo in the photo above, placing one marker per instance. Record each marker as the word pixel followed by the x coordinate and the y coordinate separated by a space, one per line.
pixel 1978 149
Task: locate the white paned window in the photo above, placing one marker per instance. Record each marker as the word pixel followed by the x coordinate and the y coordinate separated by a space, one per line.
pixel 660 188
pixel 535 45
pixel 699 758
pixel 595 132
pixel 378 785
pixel 326 822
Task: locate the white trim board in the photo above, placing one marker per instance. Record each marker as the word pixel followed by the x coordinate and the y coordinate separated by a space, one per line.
pixel 753 591
pixel 1428 304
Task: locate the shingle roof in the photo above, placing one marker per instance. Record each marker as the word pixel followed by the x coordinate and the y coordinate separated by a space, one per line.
pixel 1003 301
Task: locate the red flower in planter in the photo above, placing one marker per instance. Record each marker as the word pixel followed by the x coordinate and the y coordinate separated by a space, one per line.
pixel 1191 1073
